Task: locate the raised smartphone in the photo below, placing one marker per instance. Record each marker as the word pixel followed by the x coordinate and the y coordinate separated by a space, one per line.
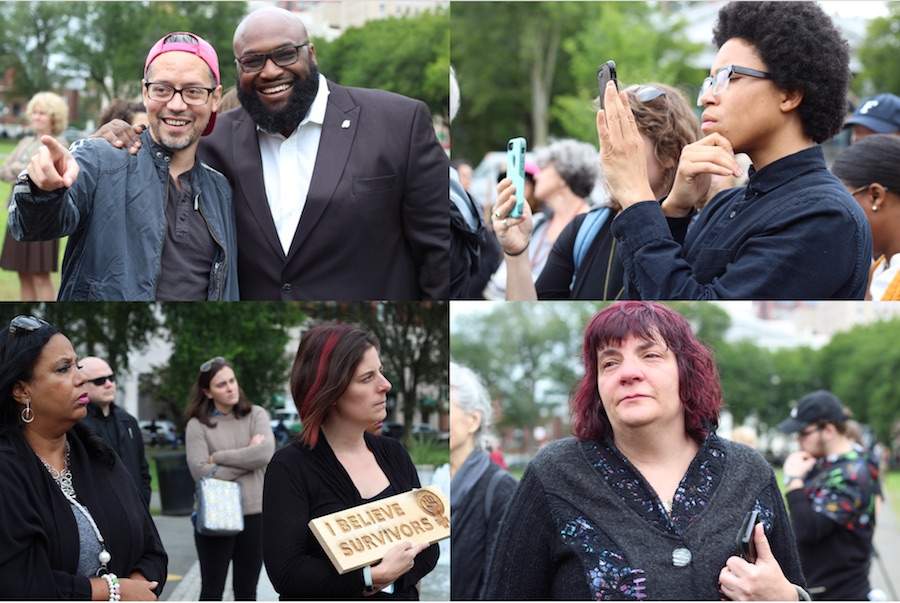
pixel 515 169
pixel 745 546
pixel 606 72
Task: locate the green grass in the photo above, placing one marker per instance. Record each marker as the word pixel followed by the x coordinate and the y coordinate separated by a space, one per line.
pixel 9 281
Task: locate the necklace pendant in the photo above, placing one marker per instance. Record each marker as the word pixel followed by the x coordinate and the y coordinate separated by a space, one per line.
pixel 104 557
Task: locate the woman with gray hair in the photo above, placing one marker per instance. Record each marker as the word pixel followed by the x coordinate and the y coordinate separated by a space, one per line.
pixel 479 489
pixel 569 170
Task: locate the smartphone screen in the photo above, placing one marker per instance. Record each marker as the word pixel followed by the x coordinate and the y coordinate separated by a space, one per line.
pixel 606 72
pixel 515 169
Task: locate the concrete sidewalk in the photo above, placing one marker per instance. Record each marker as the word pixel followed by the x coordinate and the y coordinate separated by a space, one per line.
pixel 885 571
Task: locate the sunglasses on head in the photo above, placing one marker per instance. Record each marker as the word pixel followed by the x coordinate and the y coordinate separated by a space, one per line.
pixel 102 380
pixel 209 363
pixel 645 94
pixel 28 324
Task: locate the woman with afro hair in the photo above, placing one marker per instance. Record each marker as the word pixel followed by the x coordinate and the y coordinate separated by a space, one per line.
pixel 777 88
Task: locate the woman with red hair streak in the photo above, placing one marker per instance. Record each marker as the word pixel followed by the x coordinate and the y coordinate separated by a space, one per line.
pixel 340 391
pixel 645 502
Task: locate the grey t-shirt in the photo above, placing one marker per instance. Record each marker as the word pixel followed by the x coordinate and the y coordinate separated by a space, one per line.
pixel 189 249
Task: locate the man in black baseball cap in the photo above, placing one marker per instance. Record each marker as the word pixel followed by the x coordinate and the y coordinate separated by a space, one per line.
pixel 831 492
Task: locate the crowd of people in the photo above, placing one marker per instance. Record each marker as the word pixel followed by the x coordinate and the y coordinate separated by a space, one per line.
pixel 743 204
pixel 74 487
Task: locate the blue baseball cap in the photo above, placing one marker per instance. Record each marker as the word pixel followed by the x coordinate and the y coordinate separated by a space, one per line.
pixel 880 114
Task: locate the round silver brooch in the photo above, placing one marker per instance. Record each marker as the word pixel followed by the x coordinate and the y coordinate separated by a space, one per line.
pixel 681 557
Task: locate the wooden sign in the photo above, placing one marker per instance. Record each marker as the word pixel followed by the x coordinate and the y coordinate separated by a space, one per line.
pixel 363 535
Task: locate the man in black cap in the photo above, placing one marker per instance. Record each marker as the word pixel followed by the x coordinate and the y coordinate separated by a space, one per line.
pixel 877 115
pixel 831 493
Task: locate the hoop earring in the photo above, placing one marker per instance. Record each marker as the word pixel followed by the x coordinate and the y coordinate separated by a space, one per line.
pixel 27 412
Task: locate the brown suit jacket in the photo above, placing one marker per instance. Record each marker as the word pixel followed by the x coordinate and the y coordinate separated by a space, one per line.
pixel 376 224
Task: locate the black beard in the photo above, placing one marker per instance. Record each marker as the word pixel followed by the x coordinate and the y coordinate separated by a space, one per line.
pixel 287 119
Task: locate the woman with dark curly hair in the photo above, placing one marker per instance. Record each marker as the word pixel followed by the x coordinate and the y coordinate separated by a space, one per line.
pixel 645 502
pixel 778 87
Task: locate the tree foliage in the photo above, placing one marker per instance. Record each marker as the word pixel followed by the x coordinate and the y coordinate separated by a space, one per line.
pixel 251 335
pixel 879 53
pixel 29 35
pixel 51 43
pixel 110 330
pixel 536 76
pixel 414 345
pixel 527 355
pixel 410 56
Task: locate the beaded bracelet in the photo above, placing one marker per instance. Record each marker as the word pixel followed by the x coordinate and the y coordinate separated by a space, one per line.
pixel 115 593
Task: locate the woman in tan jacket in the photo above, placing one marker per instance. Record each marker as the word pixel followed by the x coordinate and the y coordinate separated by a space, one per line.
pixel 229 434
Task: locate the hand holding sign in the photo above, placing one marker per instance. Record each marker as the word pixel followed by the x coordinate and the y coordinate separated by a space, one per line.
pixel 384 529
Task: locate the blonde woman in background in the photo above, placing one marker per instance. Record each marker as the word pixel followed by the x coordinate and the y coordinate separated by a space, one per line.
pixel 34 261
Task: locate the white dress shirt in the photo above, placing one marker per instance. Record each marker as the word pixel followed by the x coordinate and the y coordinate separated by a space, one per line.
pixel 288 166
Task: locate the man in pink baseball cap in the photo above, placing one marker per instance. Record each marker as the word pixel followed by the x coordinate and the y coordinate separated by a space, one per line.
pixel 158 225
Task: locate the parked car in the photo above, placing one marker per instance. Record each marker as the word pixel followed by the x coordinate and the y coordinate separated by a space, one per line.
pixel 393 430
pixel 426 431
pixel 159 433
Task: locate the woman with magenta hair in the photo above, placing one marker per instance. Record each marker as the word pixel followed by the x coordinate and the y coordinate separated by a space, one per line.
pixel 645 502
pixel 340 391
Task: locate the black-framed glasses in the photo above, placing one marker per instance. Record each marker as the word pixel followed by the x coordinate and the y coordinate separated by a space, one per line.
pixel 719 81
pixel 29 324
pixel 192 95
pixel 102 380
pixel 645 94
pixel 209 363
pixel 283 56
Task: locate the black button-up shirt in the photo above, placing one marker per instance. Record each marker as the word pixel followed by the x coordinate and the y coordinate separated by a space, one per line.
pixel 793 232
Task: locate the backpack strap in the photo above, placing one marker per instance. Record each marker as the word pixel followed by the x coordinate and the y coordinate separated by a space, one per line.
pixel 587 232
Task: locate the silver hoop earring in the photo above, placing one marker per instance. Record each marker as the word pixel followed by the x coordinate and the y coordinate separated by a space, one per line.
pixel 27 413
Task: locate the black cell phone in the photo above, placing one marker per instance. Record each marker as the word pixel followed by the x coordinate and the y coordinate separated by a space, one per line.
pixel 745 545
pixel 606 72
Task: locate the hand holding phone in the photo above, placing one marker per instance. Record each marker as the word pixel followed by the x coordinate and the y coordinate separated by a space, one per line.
pixel 515 169
pixel 746 548
pixel 605 73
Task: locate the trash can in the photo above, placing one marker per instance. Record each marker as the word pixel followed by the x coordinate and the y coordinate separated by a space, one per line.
pixel 176 486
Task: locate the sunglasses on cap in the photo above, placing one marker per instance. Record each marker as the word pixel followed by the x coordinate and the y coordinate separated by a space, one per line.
pixel 209 363
pixel 102 380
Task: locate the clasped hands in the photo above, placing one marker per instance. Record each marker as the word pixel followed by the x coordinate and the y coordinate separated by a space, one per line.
pixel 624 164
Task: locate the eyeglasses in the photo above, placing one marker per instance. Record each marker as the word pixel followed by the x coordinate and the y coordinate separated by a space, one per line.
pixel 102 380
pixel 23 323
pixel 284 56
pixel 806 432
pixel 719 82
pixel 645 94
pixel 853 193
pixel 209 363
pixel 192 95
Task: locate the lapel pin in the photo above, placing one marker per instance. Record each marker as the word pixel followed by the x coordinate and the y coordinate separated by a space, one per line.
pixel 345 124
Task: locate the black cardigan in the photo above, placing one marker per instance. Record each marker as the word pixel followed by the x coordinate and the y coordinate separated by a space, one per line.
pixel 302 484
pixel 39 543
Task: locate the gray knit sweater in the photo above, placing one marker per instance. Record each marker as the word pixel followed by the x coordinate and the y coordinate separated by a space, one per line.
pixel 228 442
pixel 584 524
